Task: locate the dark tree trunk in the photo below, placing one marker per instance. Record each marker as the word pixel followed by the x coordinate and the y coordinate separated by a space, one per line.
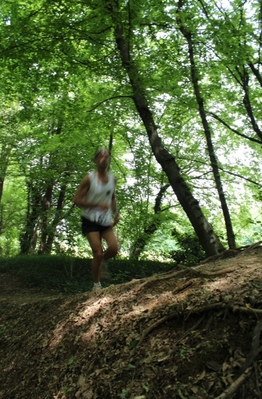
pixel 41 223
pixel 28 238
pixel 4 157
pixel 247 103
pixel 56 220
pixel 256 71
pixel 50 219
pixel 211 151
pixel 46 204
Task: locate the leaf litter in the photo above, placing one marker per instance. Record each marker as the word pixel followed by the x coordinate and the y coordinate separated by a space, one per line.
pixel 190 333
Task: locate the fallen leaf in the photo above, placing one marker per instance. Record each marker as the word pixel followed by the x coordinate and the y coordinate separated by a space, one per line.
pixel 213 365
pixel 194 389
pixel 202 375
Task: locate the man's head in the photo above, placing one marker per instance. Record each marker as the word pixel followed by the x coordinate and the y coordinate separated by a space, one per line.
pixel 102 158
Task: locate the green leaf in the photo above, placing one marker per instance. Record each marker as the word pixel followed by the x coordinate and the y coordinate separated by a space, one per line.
pixel 146 388
pixel 71 360
pixel 122 394
pixel 133 343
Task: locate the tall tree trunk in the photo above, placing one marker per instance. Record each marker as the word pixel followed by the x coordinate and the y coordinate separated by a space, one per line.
pixel 28 237
pixel 46 204
pixel 210 147
pixel 48 228
pixel 4 157
pixel 207 237
pixel 56 220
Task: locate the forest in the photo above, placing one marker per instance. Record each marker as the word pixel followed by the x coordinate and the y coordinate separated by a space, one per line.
pixel 173 89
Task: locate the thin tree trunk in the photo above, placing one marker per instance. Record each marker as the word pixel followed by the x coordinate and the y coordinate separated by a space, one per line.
pixel 46 204
pixel 4 157
pixel 28 238
pixel 247 103
pixel 56 220
pixel 256 71
pixel 207 237
pixel 211 151
pixel 48 230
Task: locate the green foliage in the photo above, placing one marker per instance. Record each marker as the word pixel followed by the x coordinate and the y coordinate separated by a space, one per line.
pixel 72 275
pixel 9 244
pixel 190 252
pixel 64 92
pixel 125 270
pixel 59 273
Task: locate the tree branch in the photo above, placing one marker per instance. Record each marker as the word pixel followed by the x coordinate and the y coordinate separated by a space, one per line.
pixel 105 100
pixel 234 130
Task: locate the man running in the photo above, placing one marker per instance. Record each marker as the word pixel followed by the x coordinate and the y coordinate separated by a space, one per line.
pixel 96 196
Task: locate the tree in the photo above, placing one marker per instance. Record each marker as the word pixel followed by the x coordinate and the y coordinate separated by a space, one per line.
pixel 203 115
pixel 106 67
pixel 203 229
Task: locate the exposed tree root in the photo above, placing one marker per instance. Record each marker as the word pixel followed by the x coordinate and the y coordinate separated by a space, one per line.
pixel 163 320
pixel 245 369
pixel 164 276
pixel 192 270
pixel 143 282
pixel 234 386
pixel 201 273
pixel 246 310
pixel 182 270
pixel 251 247
pixel 230 253
pixel 218 305
pixel 175 314
pixel 254 351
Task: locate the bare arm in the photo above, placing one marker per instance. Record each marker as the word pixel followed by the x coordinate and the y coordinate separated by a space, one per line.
pixel 83 188
pixel 113 204
pixel 114 208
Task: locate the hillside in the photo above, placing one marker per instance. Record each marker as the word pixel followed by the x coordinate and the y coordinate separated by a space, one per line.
pixel 191 333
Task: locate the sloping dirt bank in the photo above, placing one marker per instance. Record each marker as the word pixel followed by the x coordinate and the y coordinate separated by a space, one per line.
pixel 192 333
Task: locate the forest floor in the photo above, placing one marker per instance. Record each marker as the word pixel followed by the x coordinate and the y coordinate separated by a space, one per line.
pixel 190 333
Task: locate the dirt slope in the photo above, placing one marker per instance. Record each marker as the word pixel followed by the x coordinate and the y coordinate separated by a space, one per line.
pixel 191 334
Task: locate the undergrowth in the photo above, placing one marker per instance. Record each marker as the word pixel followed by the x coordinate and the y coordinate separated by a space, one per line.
pixel 73 275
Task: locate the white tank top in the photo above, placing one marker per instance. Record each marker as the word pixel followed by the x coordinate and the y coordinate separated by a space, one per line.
pixel 99 192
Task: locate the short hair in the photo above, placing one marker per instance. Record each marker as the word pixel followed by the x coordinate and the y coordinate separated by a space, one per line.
pixel 99 151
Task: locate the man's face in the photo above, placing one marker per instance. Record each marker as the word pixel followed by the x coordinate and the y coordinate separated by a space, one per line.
pixel 103 159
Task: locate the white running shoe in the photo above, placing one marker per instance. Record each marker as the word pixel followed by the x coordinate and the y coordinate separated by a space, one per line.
pixel 97 287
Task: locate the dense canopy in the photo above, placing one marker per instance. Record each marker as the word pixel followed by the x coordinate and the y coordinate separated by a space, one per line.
pixel 172 89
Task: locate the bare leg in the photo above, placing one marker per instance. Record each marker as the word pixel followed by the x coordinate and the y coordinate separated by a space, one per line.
pixel 112 245
pixel 94 239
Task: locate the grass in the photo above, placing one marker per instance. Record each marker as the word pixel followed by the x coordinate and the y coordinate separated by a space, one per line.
pixel 72 275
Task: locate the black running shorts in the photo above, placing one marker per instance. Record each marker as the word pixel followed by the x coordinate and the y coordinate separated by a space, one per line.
pixel 89 227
